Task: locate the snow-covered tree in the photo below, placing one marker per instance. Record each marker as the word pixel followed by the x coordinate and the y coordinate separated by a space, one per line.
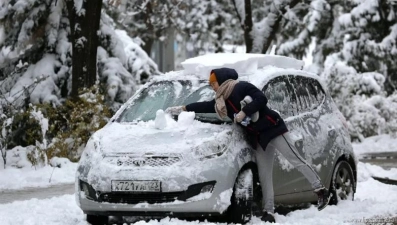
pixel 206 26
pixel 301 25
pixel 201 26
pixel 261 23
pixel 361 99
pixel 363 39
pixel 37 41
pixel 149 20
pixel 370 34
pixel 353 45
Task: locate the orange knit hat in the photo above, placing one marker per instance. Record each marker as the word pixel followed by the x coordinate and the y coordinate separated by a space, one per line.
pixel 212 78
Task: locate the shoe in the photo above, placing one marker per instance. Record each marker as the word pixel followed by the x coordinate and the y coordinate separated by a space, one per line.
pixel 323 198
pixel 268 217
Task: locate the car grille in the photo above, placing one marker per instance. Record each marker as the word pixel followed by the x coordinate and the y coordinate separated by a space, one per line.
pixel 128 198
pixel 152 161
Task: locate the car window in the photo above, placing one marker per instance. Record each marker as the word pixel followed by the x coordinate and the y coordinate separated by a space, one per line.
pixel 280 97
pixel 319 91
pixel 308 91
pixel 164 94
pixel 146 104
pixel 302 95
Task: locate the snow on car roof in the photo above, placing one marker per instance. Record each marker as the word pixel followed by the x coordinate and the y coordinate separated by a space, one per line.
pixel 243 63
pixel 255 68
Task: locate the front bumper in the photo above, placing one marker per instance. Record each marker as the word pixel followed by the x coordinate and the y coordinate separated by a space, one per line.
pixel 176 183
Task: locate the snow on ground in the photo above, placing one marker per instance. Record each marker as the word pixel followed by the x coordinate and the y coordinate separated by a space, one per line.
pixel 373 199
pixel 380 143
pixel 16 179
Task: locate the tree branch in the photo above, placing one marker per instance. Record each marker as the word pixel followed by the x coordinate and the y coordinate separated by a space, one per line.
pixel 238 15
pixel 278 13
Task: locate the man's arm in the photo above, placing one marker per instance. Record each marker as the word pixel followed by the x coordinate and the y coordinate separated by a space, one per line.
pixel 258 99
pixel 201 107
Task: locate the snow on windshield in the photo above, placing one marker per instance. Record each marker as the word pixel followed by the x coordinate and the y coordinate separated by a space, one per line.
pixel 164 94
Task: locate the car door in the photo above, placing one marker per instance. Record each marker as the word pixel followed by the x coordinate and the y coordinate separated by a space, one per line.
pixel 281 98
pixel 310 109
pixel 320 127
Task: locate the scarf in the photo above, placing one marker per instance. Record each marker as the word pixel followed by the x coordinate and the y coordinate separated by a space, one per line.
pixel 222 94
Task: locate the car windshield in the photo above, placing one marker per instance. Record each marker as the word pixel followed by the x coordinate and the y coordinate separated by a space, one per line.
pixel 164 94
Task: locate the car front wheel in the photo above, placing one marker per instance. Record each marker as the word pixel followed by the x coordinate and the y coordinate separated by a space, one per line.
pixel 343 183
pixel 97 220
pixel 240 210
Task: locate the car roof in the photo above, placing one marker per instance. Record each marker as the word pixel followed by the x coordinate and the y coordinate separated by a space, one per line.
pixel 257 69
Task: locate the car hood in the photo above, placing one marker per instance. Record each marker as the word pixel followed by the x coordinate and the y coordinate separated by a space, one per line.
pixel 144 138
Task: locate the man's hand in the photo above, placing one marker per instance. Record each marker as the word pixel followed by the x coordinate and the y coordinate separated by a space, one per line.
pixel 239 117
pixel 175 110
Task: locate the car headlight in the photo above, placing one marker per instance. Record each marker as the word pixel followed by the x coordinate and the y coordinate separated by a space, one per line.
pixel 88 191
pixel 88 157
pixel 91 148
pixel 210 150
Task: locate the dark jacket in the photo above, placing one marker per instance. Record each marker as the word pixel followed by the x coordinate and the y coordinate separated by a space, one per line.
pixel 269 124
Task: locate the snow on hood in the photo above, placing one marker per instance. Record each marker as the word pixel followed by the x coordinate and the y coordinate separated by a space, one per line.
pixel 145 138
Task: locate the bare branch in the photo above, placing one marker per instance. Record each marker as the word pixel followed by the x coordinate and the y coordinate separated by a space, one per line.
pixel 238 15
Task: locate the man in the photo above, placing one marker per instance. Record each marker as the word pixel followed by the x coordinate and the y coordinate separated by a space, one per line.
pixel 269 131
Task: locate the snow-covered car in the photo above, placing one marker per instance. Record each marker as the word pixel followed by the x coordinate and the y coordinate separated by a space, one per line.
pixel 145 163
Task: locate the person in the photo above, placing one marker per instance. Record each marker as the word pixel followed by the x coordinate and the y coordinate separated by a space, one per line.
pixel 270 131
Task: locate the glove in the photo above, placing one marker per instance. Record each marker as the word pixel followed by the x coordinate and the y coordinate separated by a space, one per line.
pixel 175 110
pixel 239 117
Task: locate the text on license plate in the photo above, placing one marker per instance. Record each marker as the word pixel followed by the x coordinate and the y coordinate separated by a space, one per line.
pixel 136 186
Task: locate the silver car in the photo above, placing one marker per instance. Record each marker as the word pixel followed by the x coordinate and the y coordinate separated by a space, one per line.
pixel 146 164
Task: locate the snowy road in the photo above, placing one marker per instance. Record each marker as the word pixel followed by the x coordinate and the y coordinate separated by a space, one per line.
pixel 8 196
pixel 386 160
pixel 372 199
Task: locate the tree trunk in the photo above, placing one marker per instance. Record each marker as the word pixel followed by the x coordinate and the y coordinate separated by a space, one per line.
pixel 148 45
pixel 247 24
pixel 84 28
pixel 249 40
pixel 219 33
pixel 4 155
pixel 149 37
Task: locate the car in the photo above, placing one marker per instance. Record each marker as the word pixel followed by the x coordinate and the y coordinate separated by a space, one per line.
pixel 147 164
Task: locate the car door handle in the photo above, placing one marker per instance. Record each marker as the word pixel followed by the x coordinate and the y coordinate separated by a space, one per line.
pixel 331 131
pixel 299 143
pixel 297 140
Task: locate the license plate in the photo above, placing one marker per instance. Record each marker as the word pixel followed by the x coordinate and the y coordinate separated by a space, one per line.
pixel 136 186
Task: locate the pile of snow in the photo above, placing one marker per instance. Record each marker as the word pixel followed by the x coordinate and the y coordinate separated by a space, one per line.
pixel 367 171
pixel 163 120
pixel 380 143
pixel 160 122
pixel 63 172
pixel 243 63
pixel 186 118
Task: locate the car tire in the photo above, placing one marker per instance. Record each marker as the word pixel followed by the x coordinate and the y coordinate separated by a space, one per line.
pixel 97 220
pixel 343 183
pixel 240 210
